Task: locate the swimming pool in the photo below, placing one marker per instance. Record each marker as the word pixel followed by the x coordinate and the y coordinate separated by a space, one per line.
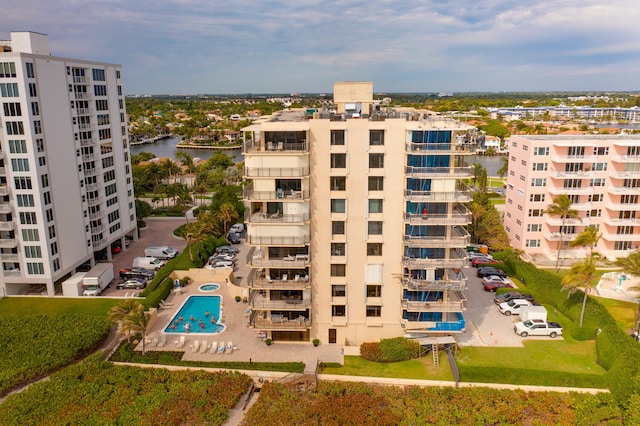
pixel 209 287
pixel 193 312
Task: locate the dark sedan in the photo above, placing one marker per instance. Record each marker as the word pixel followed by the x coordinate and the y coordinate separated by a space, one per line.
pixel 511 295
pixel 486 271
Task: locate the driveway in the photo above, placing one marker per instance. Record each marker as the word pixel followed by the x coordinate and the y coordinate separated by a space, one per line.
pixel 159 231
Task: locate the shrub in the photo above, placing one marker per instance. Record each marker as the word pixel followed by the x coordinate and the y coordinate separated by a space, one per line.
pixel 390 350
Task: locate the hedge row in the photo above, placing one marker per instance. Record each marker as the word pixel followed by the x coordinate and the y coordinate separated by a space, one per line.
pixel 390 350
pixel 617 352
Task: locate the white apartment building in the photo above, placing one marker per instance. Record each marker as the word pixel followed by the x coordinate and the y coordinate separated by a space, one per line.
pixel 66 189
pixel 600 174
pixel 356 221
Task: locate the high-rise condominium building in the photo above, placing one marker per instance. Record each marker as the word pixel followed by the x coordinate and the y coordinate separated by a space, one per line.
pixel 356 221
pixel 601 176
pixel 66 189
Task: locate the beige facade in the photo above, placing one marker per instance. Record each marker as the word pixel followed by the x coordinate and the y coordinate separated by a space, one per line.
pixel 601 175
pixel 356 222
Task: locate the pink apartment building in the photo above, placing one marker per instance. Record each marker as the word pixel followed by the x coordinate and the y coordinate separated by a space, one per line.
pixel 601 175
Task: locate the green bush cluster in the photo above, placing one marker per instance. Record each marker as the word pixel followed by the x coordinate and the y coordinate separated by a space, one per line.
pixel 34 345
pixel 390 350
pixel 96 393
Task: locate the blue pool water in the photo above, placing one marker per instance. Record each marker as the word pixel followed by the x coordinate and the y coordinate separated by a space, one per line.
pixel 196 307
pixel 209 287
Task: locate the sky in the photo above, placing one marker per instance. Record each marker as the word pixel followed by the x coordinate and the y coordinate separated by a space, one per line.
pixel 289 46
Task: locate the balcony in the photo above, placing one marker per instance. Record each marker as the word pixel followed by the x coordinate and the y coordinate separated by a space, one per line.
pixel 79 79
pixel 459 284
pixel 560 236
pixel 449 196
pixel 7 226
pixel 97 229
pixel 269 148
pixel 556 221
pixel 90 172
pixel 294 240
pixel 460 216
pixel 4 190
pixel 9 257
pixel 84 111
pixel 88 157
pixel 88 142
pixel 92 186
pixel 257 172
pixel 96 215
pixel 275 218
pixel 289 304
pixel 574 158
pixel 623 190
pixel 440 148
pixel 84 126
pixel 557 190
pixel 433 322
pixel 458 258
pixel 454 305
pixel 626 221
pixel 266 321
pixel 280 195
pixel 256 259
pixel 3 171
pixel 575 174
pixel 260 281
pixel 91 202
pixel 620 237
pixel 81 95
pixel 8 243
pixel 626 174
pixel 626 158
pixel 435 172
pixel 459 238
pixel 5 208
pixel 12 273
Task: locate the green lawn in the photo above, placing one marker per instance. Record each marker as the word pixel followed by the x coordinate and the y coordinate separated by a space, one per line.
pixel 98 306
pixel 623 312
pixel 422 369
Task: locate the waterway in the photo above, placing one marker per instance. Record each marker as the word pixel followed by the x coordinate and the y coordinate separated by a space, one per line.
pixel 167 148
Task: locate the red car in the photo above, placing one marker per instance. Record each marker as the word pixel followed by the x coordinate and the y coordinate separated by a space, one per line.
pixel 493 283
pixel 482 261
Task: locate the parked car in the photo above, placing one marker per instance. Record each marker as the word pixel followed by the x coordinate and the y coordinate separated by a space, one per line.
pixel 510 295
pixel 481 261
pixel 485 271
pixel 222 256
pixel 238 228
pixel 494 278
pixel 495 285
pixel 233 238
pixel 145 274
pixel 214 263
pixel 538 327
pixel 473 254
pixel 132 283
pixel 227 249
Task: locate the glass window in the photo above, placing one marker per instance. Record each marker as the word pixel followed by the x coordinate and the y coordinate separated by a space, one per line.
pixel 374 227
pixel 376 161
pixel 337 137
pixel 374 311
pixel 375 206
pixel 338 183
pixel 374 249
pixel 339 290
pixel 338 205
pixel 376 183
pixel 337 227
pixel 376 137
pixel 338 161
pixel 338 249
pixel 338 270
pixel 374 291
pixel 338 310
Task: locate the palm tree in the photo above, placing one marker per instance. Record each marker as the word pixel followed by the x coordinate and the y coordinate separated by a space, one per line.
pixel 198 231
pixel 186 159
pixel 227 213
pixel 477 171
pixel 631 265
pixel 561 206
pixel 118 313
pixel 477 210
pixel 136 322
pixel 580 275
pixel 504 169
pixel 589 237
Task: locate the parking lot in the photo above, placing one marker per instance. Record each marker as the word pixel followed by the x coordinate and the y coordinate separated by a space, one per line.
pixel 159 231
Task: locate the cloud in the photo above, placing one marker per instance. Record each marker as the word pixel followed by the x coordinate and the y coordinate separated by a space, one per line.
pixel 214 46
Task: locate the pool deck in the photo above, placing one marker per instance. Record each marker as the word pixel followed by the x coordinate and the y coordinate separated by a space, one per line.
pixel 247 345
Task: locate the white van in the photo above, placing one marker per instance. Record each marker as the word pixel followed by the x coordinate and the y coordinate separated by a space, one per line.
pixel 147 263
pixel 161 252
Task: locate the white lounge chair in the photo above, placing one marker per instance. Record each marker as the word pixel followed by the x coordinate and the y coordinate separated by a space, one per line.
pixel 229 348
pixel 296 278
pixel 180 343
pixel 204 347
pixel 196 346
pixel 214 347
pixel 163 340
pixel 221 348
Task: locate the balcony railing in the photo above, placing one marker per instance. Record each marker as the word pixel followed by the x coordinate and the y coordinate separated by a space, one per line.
pixel 81 95
pixel 450 196
pixel 84 111
pixel 573 158
pixel 459 238
pixel 271 322
pixel 560 236
pixel 575 174
pixel 9 257
pixel 255 258
pixel 459 172
pixel 79 79
pixel 84 126
pixel 88 142
pixel 298 240
pixel 88 157
pixel 457 259
pixel 8 243
pixel 556 221
pixel 276 218
pixel 92 186
pixel 624 190
pixel 5 208
pixel 632 174
pixel 97 229
pixel 94 201
pixel 440 148
pixel 96 215
pixel 7 226
pixel 626 158
pixel 4 190
pixel 262 282
pixel 90 172
pixel 460 216
pixel 459 284
pixel 280 305
pixel 12 273
pixel 557 190
pixel 253 172
pixel 620 237
pixel 291 195
pixel 433 306
pixel 274 147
